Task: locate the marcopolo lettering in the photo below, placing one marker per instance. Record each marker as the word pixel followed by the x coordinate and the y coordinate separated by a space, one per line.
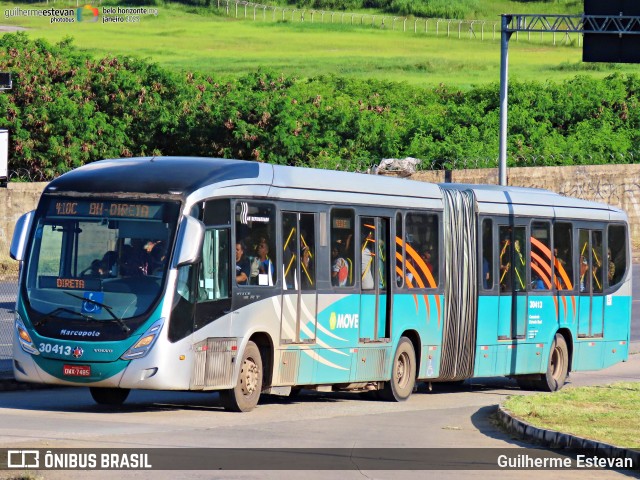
pixel 79 333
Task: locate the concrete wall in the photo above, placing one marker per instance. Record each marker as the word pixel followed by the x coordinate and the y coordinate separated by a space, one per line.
pixel 16 199
pixel 617 185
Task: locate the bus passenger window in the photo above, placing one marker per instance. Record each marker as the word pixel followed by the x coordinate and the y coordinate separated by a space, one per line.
pixel 255 244
pixel 422 245
pixel 214 269
pixel 616 254
pixel 342 231
pixel 519 260
pixel 367 250
pixel 512 258
pixel 540 256
pixel 400 272
pixel 562 256
pixel 487 254
pixel 307 251
pixel 598 261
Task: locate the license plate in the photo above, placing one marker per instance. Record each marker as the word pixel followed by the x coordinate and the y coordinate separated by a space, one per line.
pixel 76 370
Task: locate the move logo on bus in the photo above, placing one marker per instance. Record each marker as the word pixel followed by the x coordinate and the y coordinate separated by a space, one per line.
pixel 343 320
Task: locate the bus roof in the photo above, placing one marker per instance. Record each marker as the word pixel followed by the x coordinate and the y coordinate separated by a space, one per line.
pixel 487 195
pixel 185 175
pixel 152 175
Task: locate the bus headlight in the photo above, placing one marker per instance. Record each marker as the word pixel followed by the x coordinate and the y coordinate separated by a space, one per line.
pixel 25 339
pixel 146 342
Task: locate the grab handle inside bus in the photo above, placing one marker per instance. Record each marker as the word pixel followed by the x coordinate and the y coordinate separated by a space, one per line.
pixel 20 236
pixel 189 244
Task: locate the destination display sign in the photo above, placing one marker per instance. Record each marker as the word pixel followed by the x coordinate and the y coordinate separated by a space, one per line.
pixel 110 209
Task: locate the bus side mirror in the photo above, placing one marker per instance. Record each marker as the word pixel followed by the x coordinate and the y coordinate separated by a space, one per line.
pixel 21 235
pixel 189 244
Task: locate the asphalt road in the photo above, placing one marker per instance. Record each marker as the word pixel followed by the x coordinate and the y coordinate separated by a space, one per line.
pixel 447 417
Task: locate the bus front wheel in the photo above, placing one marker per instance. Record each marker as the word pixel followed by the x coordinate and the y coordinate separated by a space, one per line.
pixel 557 368
pixel 244 396
pixel 403 373
pixel 109 396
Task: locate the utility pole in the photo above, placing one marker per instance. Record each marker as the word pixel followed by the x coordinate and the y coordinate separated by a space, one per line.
pixel 598 30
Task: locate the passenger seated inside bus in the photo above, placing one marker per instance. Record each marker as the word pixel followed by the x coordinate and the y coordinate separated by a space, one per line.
pixel 134 260
pixel 486 273
pixel 427 257
pixel 584 274
pixel 367 262
pixel 262 269
pixel 306 266
pixel 157 251
pixel 243 267
pixel 101 268
pixel 537 283
pixel 339 267
pixel 611 271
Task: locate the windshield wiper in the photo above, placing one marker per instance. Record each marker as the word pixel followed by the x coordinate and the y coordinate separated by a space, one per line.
pixel 109 310
pixel 53 312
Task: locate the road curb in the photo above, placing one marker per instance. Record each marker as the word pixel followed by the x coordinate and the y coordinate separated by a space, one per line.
pixel 559 440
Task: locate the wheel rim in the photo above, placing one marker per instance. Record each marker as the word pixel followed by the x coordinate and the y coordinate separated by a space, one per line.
pixel 249 376
pixel 557 363
pixel 403 367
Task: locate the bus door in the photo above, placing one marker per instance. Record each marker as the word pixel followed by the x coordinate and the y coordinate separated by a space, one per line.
pixel 591 265
pixel 299 297
pixel 374 279
pixel 512 257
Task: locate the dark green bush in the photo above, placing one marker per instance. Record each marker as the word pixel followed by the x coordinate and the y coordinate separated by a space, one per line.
pixel 67 109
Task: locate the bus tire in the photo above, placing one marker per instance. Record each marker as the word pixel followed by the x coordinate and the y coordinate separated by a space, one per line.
pixel 403 373
pixel 557 367
pixel 109 396
pixel 245 395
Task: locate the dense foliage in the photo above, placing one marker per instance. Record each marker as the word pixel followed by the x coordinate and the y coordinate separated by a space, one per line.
pixel 67 109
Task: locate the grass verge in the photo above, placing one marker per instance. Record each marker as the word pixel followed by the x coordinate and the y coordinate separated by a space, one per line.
pixel 609 414
pixel 188 39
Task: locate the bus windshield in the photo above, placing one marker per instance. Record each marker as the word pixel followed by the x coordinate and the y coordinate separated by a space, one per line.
pixel 99 261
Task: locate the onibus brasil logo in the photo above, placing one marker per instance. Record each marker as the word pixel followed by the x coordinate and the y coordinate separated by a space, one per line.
pixel 87 14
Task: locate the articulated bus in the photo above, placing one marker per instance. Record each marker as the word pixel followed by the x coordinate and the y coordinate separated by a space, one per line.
pixel 171 273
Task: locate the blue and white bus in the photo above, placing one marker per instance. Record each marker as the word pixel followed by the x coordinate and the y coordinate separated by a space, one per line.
pixel 246 278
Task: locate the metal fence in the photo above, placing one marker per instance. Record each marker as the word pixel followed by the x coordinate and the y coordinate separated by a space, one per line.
pixel 450 28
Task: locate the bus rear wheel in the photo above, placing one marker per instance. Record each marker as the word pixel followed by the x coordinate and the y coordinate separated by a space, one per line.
pixel 245 395
pixel 403 373
pixel 109 396
pixel 557 367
